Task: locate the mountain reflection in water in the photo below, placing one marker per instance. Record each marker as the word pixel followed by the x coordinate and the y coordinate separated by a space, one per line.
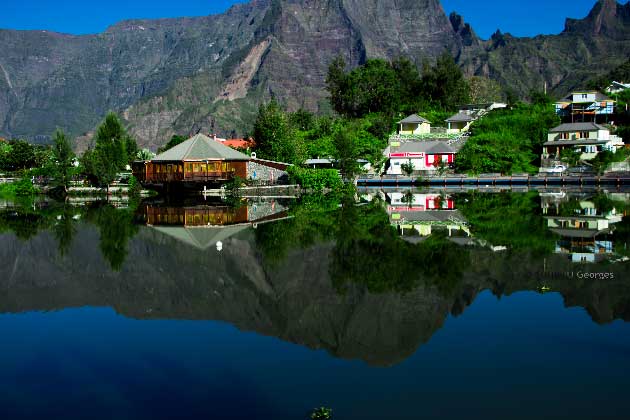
pixel 370 280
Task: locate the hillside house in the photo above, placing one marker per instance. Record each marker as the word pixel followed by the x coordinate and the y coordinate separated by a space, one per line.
pixel 617 87
pixel 414 124
pixel 459 123
pixel 583 106
pixel 589 138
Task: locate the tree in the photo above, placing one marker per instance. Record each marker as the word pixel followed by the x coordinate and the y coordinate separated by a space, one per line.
pixel 110 154
pixel 444 83
pixel 63 157
pixel 484 90
pixel 337 84
pixel 174 141
pixel 407 167
pixel 22 155
pixel 274 137
pixel 302 120
pixel 570 156
pixel 345 144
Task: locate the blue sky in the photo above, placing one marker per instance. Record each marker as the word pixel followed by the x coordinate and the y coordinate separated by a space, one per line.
pixel 518 17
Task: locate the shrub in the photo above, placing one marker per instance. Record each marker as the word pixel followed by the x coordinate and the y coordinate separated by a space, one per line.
pixel 315 179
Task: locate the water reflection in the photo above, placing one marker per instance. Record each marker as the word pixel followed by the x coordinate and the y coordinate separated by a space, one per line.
pixel 585 224
pixel 329 273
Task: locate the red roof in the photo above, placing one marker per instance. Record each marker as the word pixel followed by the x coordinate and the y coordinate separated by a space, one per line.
pixel 239 143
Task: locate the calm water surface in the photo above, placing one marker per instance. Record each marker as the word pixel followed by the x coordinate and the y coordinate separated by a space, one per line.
pixel 394 304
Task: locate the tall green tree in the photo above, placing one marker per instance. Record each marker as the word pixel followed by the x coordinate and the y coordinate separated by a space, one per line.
pixel 112 151
pixel 63 157
pixel 347 152
pixel 274 137
pixel 445 83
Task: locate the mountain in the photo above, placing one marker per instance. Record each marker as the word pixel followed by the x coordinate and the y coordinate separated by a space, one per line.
pixel 210 73
pixel 294 300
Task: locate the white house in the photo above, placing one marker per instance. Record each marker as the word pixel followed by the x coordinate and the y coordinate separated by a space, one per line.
pixel 581 105
pixel 584 235
pixel 589 138
pixel 414 124
pixel 617 87
pixel 425 156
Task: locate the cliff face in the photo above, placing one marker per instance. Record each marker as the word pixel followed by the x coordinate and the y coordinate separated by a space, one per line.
pixel 210 73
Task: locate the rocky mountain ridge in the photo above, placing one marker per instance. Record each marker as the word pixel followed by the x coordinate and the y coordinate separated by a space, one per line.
pixel 186 75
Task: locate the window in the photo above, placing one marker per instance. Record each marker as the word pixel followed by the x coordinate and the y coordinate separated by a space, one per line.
pixel 564 136
pixel 584 96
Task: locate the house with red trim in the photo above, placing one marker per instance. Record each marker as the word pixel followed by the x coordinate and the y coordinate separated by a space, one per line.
pixel 425 156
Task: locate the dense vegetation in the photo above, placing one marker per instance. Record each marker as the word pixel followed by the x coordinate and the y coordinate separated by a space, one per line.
pixel 367 101
pixel 505 219
pixel 508 141
pixel 357 234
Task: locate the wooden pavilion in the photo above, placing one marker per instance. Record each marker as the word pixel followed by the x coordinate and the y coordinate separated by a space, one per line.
pixel 199 159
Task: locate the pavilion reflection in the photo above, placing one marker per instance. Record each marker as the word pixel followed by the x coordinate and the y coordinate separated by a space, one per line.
pixel 206 224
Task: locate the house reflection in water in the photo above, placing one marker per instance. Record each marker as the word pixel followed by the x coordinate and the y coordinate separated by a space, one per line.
pixel 206 225
pixel 585 231
pixel 419 215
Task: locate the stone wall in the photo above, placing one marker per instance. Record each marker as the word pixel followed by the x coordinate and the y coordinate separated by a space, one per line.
pixel 258 171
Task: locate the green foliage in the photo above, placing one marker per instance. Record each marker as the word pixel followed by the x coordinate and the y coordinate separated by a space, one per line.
pixel 174 141
pixel 274 136
pixel 17 155
pixel 315 179
pixel 302 120
pixel 116 228
pixel 22 188
pixel 390 88
pixel 570 156
pixel 507 141
pixel 134 186
pixel 444 84
pixel 484 90
pixel 624 133
pixel 63 157
pixel 114 150
pixel 407 167
pixel 512 220
pixel 346 143
pixel 340 137
pixel 64 231
pixel 321 413
pixel 540 98
pixel 603 160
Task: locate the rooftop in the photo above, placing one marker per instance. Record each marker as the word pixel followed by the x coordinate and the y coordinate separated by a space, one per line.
pixel 200 148
pixel 430 147
pixel 413 119
pixel 598 96
pixel 574 127
pixel 460 117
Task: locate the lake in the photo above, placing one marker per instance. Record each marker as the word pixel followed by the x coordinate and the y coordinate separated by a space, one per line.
pixel 380 304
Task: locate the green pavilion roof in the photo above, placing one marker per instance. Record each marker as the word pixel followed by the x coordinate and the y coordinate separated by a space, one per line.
pixel 200 148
